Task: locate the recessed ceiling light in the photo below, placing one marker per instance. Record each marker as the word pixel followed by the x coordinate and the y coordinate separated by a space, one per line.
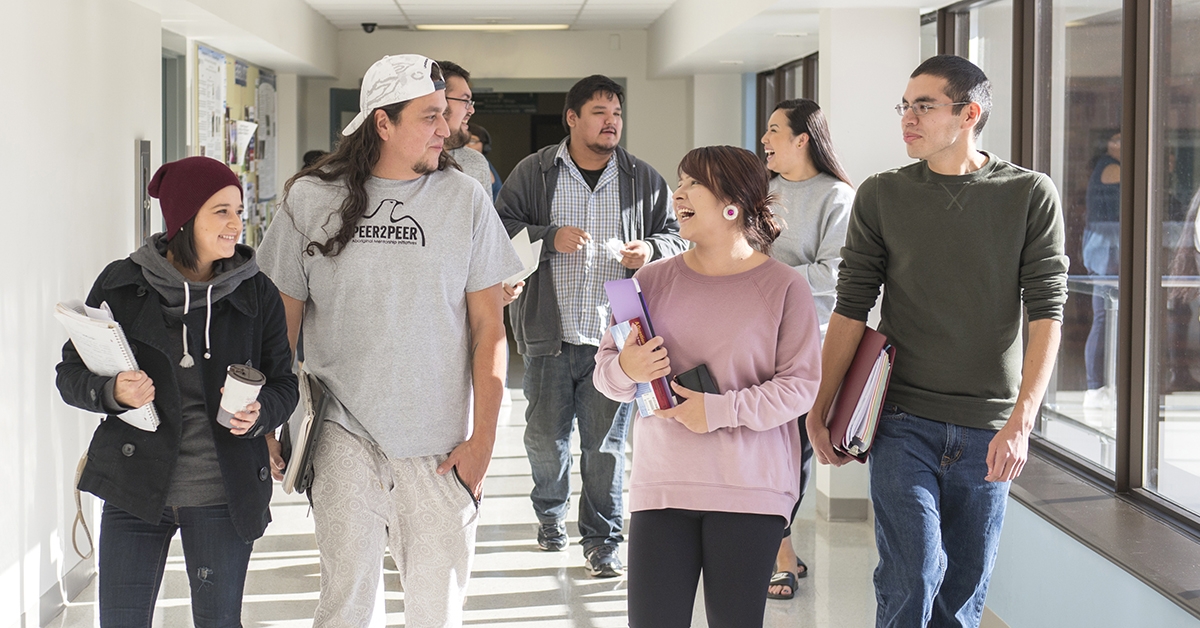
pixel 492 27
pixel 731 62
pixel 784 34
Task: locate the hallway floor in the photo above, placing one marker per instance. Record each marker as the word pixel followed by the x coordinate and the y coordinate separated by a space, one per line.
pixel 513 583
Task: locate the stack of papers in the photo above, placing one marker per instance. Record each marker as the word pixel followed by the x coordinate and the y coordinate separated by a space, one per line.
pixel 101 343
pixel 529 253
pixel 861 431
pixel 854 415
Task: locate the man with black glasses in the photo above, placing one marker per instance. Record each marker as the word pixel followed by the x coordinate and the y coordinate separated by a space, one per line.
pixel 961 240
pixel 460 106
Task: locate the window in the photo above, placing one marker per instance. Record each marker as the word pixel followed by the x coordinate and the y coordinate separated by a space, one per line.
pixel 929 35
pixel 1171 455
pixel 983 33
pixel 795 79
pixel 1085 84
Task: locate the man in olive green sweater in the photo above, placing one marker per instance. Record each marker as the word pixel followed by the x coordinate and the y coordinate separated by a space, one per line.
pixel 961 240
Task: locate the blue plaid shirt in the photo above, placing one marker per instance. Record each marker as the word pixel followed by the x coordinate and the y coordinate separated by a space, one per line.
pixel 579 277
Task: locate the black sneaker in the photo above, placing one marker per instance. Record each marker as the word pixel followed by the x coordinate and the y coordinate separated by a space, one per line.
pixel 602 562
pixel 552 537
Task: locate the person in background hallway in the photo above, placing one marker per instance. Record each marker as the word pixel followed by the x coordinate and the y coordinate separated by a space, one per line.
pixel 814 197
pixel 459 108
pixel 313 156
pixel 1101 250
pixel 481 141
pixel 960 240
pixel 387 257
pixel 576 197
pixel 718 475
pixel 1184 262
pixel 191 302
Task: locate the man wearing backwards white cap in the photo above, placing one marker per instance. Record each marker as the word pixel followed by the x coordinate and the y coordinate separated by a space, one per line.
pixel 391 263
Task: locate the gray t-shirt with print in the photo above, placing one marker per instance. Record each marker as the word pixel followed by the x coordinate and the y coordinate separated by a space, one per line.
pixel 385 321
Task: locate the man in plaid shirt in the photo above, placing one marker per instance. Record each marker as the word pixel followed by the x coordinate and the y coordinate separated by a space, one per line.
pixel 601 214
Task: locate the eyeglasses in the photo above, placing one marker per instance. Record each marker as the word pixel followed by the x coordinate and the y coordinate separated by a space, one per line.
pixel 922 108
pixel 470 103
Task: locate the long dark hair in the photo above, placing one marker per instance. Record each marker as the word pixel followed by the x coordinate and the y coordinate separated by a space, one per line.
pixel 353 160
pixel 736 176
pixel 804 116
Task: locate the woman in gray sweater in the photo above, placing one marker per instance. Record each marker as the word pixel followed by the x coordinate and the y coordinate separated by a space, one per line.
pixel 815 196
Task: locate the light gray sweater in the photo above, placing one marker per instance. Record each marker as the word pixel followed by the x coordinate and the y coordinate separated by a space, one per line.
pixel 815 213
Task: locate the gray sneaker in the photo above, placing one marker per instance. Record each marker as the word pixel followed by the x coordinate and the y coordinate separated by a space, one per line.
pixel 602 562
pixel 552 537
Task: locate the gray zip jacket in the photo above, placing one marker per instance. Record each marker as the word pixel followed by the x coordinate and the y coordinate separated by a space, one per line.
pixel 524 203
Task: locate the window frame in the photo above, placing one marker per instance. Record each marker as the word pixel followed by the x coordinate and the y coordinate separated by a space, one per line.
pixel 767 87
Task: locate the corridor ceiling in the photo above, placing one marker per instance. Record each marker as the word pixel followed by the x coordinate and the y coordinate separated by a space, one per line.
pixel 577 14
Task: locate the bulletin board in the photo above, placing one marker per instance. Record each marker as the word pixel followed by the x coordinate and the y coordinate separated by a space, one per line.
pixel 235 123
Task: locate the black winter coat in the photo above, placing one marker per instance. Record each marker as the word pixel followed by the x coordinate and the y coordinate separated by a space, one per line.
pixel 130 468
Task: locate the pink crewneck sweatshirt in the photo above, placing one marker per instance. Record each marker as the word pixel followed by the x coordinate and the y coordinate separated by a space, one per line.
pixel 757 331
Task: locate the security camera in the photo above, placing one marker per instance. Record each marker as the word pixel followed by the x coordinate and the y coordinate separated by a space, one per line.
pixel 369 27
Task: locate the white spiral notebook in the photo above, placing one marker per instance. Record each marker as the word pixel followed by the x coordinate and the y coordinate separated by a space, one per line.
pixel 101 343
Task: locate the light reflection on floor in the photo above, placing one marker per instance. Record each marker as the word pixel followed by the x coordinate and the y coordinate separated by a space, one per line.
pixel 514 584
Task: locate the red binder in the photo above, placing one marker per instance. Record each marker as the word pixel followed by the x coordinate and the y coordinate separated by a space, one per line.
pixel 861 393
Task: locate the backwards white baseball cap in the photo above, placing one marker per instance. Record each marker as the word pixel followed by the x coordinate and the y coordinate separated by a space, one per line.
pixel 394 79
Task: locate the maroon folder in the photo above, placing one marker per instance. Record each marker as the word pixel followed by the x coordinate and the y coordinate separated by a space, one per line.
pixel 872 348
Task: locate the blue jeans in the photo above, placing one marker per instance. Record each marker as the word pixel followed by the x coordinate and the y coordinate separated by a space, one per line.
pixel 1093 350
pixel 133 554
pixel 559 390
pixel 937 521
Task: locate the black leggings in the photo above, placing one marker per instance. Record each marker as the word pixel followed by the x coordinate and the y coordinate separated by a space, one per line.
pixel 669 550
pixel 806 454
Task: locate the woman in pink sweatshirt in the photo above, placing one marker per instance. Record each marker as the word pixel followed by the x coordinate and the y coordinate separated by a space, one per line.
pixel 715 478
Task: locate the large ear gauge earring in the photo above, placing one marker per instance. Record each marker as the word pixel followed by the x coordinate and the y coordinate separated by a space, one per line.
pixel 730 212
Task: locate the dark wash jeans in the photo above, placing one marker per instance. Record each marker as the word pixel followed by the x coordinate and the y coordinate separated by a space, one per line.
pixel 133 554
pixel 937 521
pixel 559 390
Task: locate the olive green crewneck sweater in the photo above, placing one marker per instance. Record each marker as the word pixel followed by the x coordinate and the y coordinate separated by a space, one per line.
pixel 958 255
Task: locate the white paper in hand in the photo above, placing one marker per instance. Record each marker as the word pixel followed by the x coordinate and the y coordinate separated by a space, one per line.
pixel 102 345
pixel 530 254
pixel 614 248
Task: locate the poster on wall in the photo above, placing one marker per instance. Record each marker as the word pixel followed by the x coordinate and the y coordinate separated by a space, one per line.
pixel 210 106
pixel 266 145
pixel 240 70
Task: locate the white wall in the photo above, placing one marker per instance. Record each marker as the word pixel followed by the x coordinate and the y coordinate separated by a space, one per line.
pixel 1045 578
pixel 690 25
pixel 866 57
pixel 656 127
pixel 82 83
pixel 287 113
pixel 717 110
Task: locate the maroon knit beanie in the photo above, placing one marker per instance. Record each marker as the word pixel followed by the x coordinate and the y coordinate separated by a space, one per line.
pixel 182 187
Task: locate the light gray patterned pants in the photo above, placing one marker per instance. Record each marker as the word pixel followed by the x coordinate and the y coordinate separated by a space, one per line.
pixel 364 502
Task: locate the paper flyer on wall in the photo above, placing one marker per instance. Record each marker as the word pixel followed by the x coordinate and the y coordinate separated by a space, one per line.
pixel 210 102
pixel 265 156
pixel 245 133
